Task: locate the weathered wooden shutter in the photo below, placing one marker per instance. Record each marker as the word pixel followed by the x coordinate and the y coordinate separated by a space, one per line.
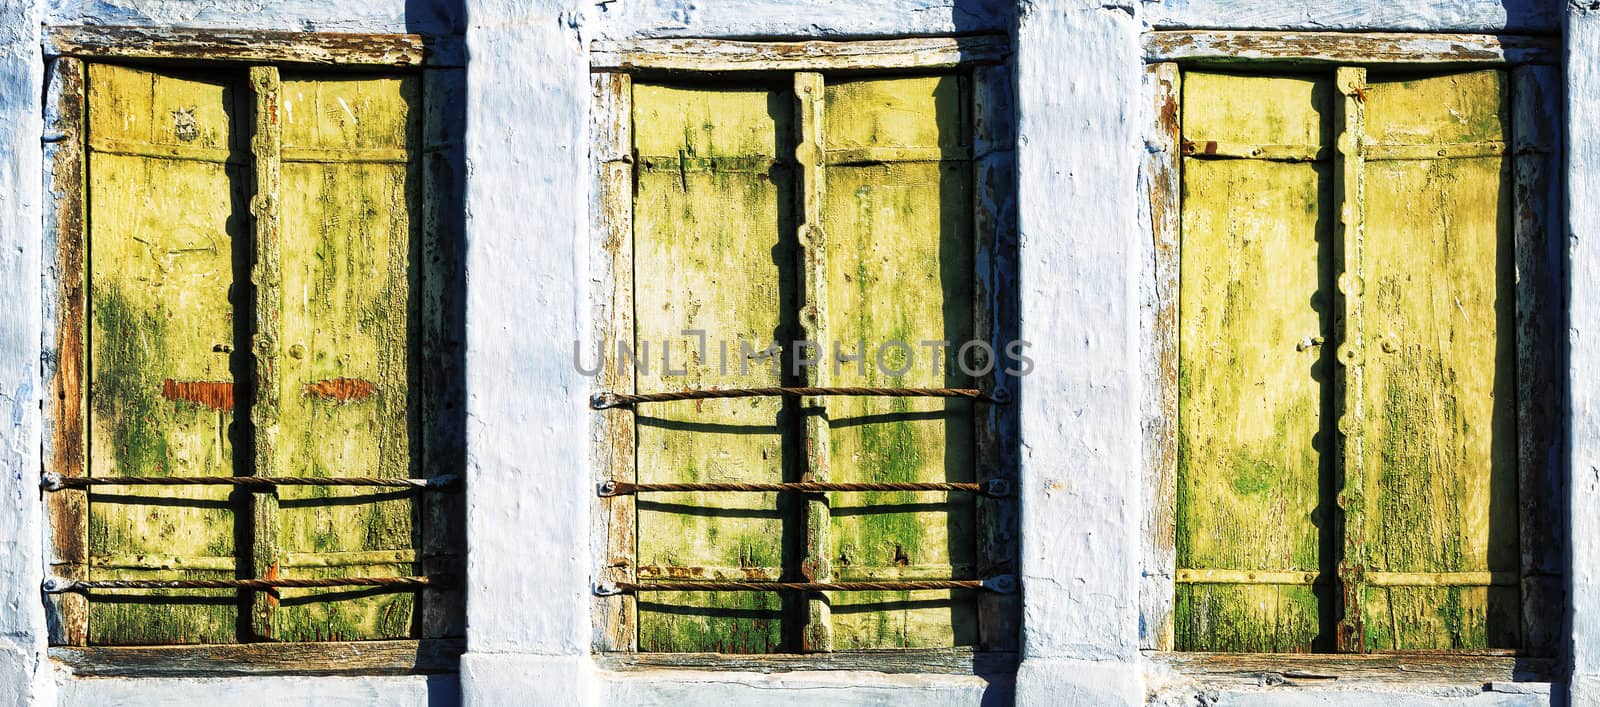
pixel 1374 215
pixel 1254 302
pixel 897 224
pixel 713 251
pixel 167 165
pixel 730 193
pixel 1435 410
pixel 346 353
pixel 188 184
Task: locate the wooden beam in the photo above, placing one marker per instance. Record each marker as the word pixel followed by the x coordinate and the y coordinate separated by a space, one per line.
pixel 1163 184
pixel 1367 48
pixel 737 55
pixel 66 446
pixel 611 132
pixel 266 278
pixel 931 661
pixel 361 658
pixel 250 46
pixel 1351 84
pixel 810 153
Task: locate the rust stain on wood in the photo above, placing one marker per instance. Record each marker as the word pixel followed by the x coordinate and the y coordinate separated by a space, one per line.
pixel 217 395
pixel 341 390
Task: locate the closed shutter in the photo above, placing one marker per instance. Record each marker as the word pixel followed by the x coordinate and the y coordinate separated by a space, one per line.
pixel 209 218
pixel 841 212
pixel 1348 384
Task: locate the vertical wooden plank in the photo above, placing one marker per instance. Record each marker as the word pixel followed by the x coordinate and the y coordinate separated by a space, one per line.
pixel 1536 101
pixel 1255 309
pixel 1351 84
pixel 441 516
pixel 1162 172
pixel 160 330
pixel 809 92
pixel 616 616
pixel 711 212
pixel 67 509
pixel 348 374
pixel 899 252
pixel 267 297
pixel 1438 359
pixel 994 294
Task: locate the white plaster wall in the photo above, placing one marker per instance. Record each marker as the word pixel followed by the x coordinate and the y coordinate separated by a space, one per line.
pixel 1081 130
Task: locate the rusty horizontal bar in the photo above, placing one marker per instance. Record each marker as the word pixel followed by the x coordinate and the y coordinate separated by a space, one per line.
pixel 57 585
pixel 1234 150
pixel 993 487
pixel 602 401
pixel 1376 579
pixel 1000 584
pixel 56 482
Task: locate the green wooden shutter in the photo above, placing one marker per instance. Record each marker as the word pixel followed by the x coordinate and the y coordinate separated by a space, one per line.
pixel 164 194
pixel 175 161
pixel 1254 299
pixel 870 179
pixel 713 200
pixel 1421 405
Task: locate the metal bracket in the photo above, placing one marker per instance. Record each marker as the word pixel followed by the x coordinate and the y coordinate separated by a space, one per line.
pixel 997 488
pixel 57 585
pixel 1000 396
pixel 1001 584
pixel 51 481
pixel 608 489
pixel 606 589
pixel 604 401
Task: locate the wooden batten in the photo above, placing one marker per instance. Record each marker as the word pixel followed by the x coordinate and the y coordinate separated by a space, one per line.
pixel 810 152
pixel 1366 48
pixel 735 55
pixel 266 278
pixel 249 46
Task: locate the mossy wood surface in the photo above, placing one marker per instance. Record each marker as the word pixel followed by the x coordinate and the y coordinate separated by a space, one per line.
pixel 1429 302
pixel 719 210
pixel 170 181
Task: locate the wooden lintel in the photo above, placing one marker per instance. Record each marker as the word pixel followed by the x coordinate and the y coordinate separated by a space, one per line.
pixel 1367 48
pixel 356 658
pixel 252 46
pixel 1467 668
pixel 933 661
pixel 817 55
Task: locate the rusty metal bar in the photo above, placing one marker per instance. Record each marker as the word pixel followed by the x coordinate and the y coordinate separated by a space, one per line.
pixel 1002 584
pixel 56 585
pixel 56 482
pixel 604 401
pixel 993 487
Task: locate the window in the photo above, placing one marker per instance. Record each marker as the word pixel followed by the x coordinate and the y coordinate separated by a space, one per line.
pixel 802 228
pixel 1364 361
pixel 253 284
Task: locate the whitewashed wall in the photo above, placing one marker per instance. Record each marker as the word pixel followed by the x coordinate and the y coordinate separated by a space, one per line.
pixel 1082 125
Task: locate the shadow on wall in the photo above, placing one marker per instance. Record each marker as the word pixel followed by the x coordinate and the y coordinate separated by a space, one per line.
pixel 442 23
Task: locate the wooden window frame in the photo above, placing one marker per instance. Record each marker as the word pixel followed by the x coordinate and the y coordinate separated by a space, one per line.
pixel 1533 64
pixel 613 67
pixel 438 61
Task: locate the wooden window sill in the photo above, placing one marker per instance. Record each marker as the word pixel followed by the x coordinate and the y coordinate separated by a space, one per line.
pixel 1486 670
pixel 347 658
pixel 945 661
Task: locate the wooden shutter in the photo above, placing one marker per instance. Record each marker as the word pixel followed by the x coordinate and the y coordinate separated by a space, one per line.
pixel 1410 372
pixel 194 182
pixel 1437 352
pixel 897 225
pixel 165 195
pixel 713 214
pixel 346 352
pixel 840 212
pixel 1255 301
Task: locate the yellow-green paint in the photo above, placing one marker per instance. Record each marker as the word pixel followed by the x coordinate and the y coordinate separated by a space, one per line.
pixel 899 254
pixel 1254 302
pixel 169 186
pixel 713 250
pixel 1430 301
pixel 717 210
pixel 162 239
